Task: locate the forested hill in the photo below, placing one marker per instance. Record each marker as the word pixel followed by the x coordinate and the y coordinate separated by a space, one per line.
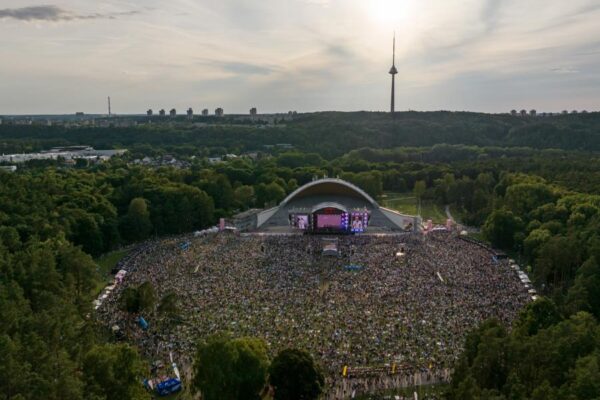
pixel 380 130
pixel 328 133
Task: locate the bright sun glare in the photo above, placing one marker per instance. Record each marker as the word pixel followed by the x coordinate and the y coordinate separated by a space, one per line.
pixel 391 11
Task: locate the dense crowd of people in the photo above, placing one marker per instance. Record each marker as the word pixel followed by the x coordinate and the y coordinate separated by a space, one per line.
pixel 408 300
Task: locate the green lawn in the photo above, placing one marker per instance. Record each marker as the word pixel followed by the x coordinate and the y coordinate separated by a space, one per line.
pixel 106 262
pixel 479 236
pixel 406 203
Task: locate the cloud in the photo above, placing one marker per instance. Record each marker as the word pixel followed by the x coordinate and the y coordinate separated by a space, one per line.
pixel 322 3
pixel 247 68
pixel 239 68
pixel 43 13
pixel 565 70
pixel 53 13
pixel 340 51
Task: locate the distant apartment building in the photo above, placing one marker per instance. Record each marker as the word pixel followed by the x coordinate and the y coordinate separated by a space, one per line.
pixel 513 113
pixel 173 112
pixel 523 113
pixel 253 111
pixel 532 113
pixel 205 112
pixel 79 114
pixel 219 112
pixel 149 112
pixel 162 112
pixel 190 113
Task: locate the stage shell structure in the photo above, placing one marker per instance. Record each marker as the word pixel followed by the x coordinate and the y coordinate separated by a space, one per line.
pixel 327 205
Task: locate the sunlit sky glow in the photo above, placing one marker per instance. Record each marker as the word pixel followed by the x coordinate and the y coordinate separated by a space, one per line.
pixel 62 56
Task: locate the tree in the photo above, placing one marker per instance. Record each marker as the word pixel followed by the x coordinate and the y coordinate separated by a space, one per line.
pixel 298 159
pixel 536 238
pixel 445 185
pixel 136 224
pixel 419 191
pixel 483 357
pixel 500 228
pixel 295 376
pixel 177 208
pixel 558 260
pixel 169 305
pixel 138 299
pixel 585 378
pixel 540 314
pixel 9 237
pixel 544 357
pixel 467 389
pixel 272 193
pixel 369 181
pixel 523 198
pixel 583 295
pixel 130 300
pixel 146 295
pixel 244 196
pixel 231 369
pixel 86 232
pixel 11 382
pixel 114 372
pixel 79 271
pixel 292 185
pixel 219 188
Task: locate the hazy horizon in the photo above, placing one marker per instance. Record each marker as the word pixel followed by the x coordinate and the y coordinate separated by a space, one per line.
pixel 304 55
pixel 197 112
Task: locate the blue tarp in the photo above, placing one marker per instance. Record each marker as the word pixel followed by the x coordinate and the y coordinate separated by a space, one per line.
pixel 142 322
pixel 354 267
pixel 168 387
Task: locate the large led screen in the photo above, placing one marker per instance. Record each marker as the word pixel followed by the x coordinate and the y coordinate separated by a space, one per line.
pixel 359 221
pixel 300 221
pixel 329 221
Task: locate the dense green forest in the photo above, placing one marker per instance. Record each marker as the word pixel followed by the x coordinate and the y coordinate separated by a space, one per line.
pixel 540 203
pixel 344 132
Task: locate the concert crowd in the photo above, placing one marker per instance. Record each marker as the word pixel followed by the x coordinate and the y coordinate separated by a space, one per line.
pixel 405 300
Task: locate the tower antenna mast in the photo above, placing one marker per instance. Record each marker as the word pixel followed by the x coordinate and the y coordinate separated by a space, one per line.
pixel 393 72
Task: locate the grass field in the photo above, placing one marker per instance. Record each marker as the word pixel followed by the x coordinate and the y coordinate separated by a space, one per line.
pixel 106 262
pixel 407 203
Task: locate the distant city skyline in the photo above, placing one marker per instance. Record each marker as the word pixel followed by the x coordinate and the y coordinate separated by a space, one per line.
pixel 63 56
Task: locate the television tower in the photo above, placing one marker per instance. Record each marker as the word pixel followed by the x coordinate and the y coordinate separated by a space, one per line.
pixel 109 106
pixel 393 72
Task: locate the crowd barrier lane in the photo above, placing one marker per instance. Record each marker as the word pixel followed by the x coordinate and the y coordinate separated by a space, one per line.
pixel 376 384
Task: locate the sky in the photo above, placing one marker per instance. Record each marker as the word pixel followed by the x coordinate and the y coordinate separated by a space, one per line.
pixel 63 56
